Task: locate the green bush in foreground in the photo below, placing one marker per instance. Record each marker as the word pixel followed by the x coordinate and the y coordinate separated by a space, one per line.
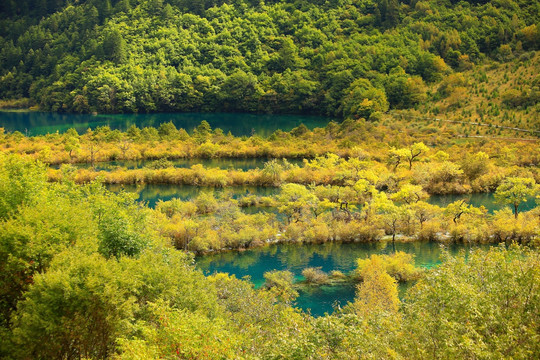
pixel 485 305
pixel 64 297
pixel 399 265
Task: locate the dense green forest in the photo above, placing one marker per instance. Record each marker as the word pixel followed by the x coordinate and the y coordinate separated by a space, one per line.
pixel 342 57
pixel 434 98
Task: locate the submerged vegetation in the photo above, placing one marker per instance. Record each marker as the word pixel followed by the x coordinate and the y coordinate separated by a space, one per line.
pixel 398 265
pixel 339 154
pixel 86 272
pixel 434 97
pixel 364 190
pixel 91 273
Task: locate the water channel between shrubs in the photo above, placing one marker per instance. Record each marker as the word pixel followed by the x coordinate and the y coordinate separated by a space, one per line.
pixel 253 263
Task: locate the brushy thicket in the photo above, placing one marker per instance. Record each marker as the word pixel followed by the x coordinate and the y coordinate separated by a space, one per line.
pixel 344 58
pixel 89 273
pixel 360 193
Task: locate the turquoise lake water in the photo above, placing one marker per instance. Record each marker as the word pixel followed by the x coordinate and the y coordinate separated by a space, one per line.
pixel 486 200
pixel 329 256
pixel 39 123
pixel 221 163
pixel 251 263
pixel 152 193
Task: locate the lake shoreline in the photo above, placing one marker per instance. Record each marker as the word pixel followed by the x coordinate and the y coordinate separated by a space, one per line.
pixel 209 177
pixel 441 239
pixel 339 261
pixel 43 123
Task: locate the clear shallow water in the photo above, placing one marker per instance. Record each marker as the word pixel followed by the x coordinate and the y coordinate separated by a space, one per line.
pixel 221 163
pixel 481 199
pixel 39 123
pixel 152 193
pixel 329 256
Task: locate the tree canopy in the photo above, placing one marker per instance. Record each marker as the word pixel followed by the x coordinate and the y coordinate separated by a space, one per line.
pixel 342 58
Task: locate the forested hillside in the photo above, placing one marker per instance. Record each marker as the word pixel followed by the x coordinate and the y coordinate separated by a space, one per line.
pixel 428 148
pixel 504 94
pixel 351 58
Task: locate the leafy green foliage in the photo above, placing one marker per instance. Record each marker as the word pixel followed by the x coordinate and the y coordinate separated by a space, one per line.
pixel 515 191
pixel 21 183
pixel 398 265
pixel 482 304
pixel 119 236
pixel 280 283
pixel 92 274
pixel 347 58
pixel 180 334
pixel 80 299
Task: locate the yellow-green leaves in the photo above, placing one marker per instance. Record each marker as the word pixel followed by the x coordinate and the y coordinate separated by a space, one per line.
pixel 280 283
pixel 22 182
pixel 378 290
pixel 180 334
pixel 458 208
pixel 409 194
pixel 408 154
pixel 483 305
pixel 296 200
pixel 399 265
pixel 515 190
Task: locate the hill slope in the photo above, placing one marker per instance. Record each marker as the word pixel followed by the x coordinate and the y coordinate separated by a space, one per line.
pixel 346 58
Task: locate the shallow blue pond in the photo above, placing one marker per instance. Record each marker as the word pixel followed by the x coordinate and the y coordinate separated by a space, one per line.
pixel 329 256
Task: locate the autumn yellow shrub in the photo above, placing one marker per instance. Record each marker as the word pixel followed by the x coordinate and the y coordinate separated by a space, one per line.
pixel 355 231
pixel 177 206
pixel 378 290
pixel 505 228
pixel 314 275
pixel 204 241
pixel 293 232
pixel 429 231
pixel 317 232
pixel 399 265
